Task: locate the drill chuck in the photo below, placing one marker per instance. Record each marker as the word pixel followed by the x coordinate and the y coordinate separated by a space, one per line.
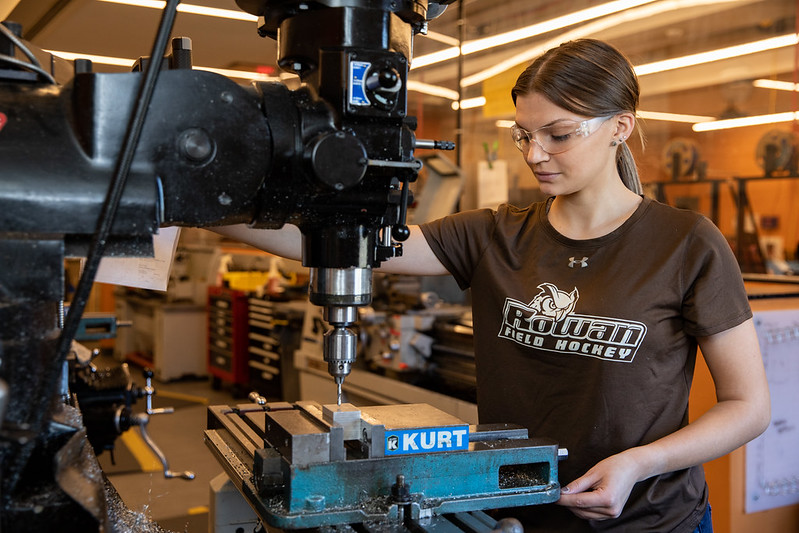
pixel 339 352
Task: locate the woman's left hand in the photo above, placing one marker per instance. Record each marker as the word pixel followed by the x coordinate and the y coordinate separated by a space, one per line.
pixel 601 493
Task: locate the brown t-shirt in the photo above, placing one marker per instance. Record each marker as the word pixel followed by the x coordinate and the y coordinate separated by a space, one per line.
pixel 592 342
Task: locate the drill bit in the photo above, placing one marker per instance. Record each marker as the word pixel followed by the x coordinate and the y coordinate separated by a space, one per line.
pixel 338 391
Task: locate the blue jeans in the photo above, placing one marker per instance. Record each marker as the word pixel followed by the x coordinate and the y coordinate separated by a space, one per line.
pixel 706 525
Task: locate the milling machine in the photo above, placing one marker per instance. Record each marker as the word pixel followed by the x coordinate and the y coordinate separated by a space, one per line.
pixel 94 166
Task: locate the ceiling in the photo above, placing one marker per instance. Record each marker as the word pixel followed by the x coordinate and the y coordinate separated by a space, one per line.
pixel 96 27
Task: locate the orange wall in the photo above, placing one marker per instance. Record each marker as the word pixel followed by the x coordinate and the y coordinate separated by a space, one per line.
pixel 726 476
pixel 729 154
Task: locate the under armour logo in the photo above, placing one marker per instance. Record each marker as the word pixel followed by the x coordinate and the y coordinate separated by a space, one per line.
pixel 574 262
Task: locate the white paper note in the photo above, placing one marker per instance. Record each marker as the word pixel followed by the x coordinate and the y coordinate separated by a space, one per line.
pixel 143 272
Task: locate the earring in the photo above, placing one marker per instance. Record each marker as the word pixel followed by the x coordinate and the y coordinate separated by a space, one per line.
pixel 614 143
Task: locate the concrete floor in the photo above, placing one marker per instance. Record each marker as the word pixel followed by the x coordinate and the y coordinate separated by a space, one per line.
pixel 175 504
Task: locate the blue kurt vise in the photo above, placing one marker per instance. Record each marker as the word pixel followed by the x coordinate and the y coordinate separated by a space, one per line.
pixel 305 465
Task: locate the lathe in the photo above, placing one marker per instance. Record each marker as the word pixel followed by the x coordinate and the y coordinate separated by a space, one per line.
pixel 94 166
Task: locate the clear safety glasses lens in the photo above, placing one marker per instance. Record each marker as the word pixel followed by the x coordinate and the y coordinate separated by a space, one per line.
pixel 555 138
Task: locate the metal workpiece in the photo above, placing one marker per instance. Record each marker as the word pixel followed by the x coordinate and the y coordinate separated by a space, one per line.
pixel 347 416
pixel 390 465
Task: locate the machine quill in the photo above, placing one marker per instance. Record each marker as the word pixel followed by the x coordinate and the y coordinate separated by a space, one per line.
pixel 166 145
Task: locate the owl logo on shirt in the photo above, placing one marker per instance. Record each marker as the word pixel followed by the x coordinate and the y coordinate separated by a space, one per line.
pixel 554 303
pixel 549 323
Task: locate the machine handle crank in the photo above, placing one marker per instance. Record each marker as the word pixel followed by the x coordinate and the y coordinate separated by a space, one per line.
pixel 142 419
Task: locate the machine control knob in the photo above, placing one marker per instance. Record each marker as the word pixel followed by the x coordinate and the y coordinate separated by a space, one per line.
pixel 383 86
pixel 400 233
pixel 383 80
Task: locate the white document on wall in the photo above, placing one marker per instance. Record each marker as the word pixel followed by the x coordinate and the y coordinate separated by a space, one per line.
pixel 492 183
pixel 772 459
pixel 143 272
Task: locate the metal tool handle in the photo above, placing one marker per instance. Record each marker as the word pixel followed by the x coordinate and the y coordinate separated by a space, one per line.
pixel 141 420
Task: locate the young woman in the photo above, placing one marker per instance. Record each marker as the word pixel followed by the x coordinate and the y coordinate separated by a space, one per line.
pixel 592 305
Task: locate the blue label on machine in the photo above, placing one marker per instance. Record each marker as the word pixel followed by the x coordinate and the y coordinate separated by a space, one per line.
pixel 357 85
pixel 405 441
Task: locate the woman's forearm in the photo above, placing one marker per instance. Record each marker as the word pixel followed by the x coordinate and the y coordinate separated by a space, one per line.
pixel 723 428
pixel 285 242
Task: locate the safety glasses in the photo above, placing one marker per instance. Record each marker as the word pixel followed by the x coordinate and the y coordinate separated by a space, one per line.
pixel 558 137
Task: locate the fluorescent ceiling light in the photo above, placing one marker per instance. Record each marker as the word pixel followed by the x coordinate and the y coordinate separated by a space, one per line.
pixel 547 26
pixel 791 39
pixel 759 120
pixel 629 17
pixel 189 8
pixel 470 103
pixel 435 57
pixel 124 62
pixel 778 85
pixel 557 23
pixel 440 37
pixel 433 90
pixel 240 74
pixel 673 117
pixel 764 45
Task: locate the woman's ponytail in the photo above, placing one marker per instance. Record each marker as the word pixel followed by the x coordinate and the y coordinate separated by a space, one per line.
pixel 628 170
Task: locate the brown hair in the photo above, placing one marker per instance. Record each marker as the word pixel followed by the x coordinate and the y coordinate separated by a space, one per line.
pixel 590 78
